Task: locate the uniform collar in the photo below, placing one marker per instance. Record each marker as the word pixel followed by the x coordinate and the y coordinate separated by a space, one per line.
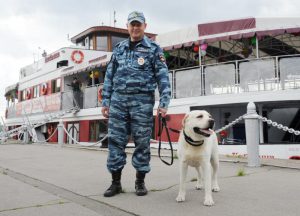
pixel 144 42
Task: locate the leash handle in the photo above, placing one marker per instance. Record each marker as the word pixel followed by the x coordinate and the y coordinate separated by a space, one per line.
pixel 162 123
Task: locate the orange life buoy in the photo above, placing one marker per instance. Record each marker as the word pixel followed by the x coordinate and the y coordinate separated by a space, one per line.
pixel 28 94
pixel 77 56
pixel 100 95
pixel 44 88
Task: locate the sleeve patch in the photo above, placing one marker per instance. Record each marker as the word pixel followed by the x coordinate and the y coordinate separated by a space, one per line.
pixel 162 58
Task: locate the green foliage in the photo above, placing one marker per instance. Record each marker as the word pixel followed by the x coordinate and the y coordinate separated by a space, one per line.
pixel 241 172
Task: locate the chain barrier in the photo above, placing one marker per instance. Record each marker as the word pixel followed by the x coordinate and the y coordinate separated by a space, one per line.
pixel 279 126
pixel 94 144
pixel 36 139
pixel 156 141
pixel 230 124
pixel 217 131
pixel 263 119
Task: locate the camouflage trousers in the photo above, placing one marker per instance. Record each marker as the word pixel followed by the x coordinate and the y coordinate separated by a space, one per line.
pixel 130 114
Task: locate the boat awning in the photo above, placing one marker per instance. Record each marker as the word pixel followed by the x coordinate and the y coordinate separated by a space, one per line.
pixel 228 30
pixel 10 88
pixel 98 62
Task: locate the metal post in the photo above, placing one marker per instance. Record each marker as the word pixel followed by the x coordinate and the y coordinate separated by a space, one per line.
pixel 252 135
pixel 34 134
pixel 256 47
pixel 26 136
pixel 200 57
pixel 261 131
pixel 4 125
pixel 60 130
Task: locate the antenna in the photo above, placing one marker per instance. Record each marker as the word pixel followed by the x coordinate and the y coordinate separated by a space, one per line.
pixel 115 18
pixel 44 54
pixel 109 18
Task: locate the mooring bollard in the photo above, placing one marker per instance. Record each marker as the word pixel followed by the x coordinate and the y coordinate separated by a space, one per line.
pixel 60 129
pixel 252 135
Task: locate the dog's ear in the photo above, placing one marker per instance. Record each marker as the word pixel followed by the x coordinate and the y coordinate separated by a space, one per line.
pixel 184 119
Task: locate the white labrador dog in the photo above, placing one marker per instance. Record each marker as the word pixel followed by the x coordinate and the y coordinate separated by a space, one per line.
pixel 198 147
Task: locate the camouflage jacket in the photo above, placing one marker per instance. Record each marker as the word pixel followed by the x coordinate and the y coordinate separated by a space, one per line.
pixel 137 71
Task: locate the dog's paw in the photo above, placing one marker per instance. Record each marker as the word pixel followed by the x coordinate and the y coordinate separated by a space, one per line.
pixel 216 188
pixel 208 202
pixel 180 198
pixel 199 186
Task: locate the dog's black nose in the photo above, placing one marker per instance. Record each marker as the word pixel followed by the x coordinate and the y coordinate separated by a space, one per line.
pixel 211 123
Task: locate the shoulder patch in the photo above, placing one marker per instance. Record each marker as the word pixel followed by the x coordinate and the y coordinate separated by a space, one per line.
pixel 154 43
pixel 162 58
pixel 121 43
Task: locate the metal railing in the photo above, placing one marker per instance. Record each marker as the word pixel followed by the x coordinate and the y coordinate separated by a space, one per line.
pixel 264 74
pixel 235 77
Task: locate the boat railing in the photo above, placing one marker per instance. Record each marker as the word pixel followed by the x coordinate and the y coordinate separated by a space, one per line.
pixel 92 96
pixel 11 111
pixel 264 74
pixel 252 75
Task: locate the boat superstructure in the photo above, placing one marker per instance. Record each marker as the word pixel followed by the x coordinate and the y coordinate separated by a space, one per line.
pixel 218 66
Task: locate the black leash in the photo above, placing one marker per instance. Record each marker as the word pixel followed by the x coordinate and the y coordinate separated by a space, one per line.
pixel 162 123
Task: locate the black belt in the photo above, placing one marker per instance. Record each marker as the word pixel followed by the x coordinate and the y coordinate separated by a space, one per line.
pixel 151 93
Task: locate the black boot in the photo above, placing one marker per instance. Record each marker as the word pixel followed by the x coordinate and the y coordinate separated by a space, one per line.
pixel 140 188
pixel 115 187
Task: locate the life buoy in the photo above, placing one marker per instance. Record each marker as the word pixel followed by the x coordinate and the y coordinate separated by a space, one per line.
pixel 28 94
pixel 77 56
pixel 100 95
pixel 44 88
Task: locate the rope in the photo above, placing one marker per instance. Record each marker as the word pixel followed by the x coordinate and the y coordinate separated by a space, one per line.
pixel 94 144
pixel 36 140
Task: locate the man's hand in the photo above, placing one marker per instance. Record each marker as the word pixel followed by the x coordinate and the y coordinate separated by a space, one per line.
pixel 105 111
pixel 163 111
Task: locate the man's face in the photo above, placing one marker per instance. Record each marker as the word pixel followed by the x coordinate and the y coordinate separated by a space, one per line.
pixel 136 30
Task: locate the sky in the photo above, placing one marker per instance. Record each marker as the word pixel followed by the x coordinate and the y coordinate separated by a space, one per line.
pixel 27 27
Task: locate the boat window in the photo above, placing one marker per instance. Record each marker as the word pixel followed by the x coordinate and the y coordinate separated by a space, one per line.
pixel 55 85
pixel 23 95
pixel 98 130
pixel 62 63
pixel 102 43
pixel 58 82
pixel 116 39
pixel 91 43
pixel 81 43
pixel 36 91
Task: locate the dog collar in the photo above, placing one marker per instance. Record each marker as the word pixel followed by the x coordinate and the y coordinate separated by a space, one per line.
pixel 190 141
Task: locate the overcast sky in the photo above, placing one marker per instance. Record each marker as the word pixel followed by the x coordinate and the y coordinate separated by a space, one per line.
pixel 27 25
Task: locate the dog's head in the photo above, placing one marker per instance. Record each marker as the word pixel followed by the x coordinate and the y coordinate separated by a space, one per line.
pixel 199 122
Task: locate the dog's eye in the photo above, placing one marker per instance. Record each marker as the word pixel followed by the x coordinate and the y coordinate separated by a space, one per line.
pixel 200 116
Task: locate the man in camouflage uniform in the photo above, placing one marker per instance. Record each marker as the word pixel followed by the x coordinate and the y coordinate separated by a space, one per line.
pixel 136 68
